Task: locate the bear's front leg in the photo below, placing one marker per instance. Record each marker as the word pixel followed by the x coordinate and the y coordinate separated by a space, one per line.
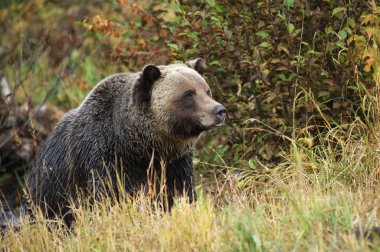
pixel 180 178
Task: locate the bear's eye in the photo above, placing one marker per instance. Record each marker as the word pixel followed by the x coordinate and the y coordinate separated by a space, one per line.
pixel 188 100
pixel 189 94
pixel 208 92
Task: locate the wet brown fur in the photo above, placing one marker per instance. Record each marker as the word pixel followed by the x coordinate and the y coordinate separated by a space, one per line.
pixel 114 132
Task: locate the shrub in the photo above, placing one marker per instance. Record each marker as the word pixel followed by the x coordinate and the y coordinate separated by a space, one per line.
pixel 286 69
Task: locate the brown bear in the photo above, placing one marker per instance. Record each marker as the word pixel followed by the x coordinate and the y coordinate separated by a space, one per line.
pixel 128 124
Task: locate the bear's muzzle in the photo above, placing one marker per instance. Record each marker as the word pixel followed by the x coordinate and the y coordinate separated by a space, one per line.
pixel 220 113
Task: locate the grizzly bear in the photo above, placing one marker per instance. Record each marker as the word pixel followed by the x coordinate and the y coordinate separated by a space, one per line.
pixel 127 125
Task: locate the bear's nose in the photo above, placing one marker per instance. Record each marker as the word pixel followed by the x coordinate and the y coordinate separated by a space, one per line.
pixel 220 113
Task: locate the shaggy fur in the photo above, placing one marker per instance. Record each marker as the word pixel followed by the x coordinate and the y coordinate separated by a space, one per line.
pixel 127 123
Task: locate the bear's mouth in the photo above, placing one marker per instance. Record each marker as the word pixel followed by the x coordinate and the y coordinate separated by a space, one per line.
pixel 189 127
pixel 217 123
pixel 209 122
pixel 214 125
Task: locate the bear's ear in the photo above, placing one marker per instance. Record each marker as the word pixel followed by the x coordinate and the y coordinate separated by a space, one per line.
pixel 151 73
pixel 142 89
pixel 198 65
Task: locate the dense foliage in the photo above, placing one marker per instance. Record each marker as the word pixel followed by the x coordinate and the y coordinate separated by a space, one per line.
pixel 286 70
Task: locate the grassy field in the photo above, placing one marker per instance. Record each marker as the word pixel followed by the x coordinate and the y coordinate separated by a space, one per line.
pixel 322 196
pixel 311 202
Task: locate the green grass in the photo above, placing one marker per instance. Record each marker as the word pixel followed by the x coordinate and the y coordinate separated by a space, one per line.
pixel 291 207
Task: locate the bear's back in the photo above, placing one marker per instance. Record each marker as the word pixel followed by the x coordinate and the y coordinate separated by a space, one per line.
pixel 47 179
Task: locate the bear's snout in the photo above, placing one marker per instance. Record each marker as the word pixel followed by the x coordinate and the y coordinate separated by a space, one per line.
pixel 220 114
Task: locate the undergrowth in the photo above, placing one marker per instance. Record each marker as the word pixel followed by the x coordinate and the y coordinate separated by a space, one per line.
pixel 320 198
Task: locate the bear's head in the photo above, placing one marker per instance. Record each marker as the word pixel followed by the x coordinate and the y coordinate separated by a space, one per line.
pixel 179 99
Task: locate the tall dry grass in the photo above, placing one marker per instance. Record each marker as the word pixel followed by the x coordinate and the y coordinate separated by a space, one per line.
pixel 322 198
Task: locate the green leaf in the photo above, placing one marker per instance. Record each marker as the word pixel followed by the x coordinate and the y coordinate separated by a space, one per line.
pixel 290 28
pixel 355 88
pixel 219 7
pixel 265 44
pixel 351 22
pixel 342 34
pixel 193 35
pixel 174 47
pixel 262 34
pixel 289 3
pixel 253 164
pixel 281 15
pixel 341 44
pixel 214 62
pixel 215 19
pixel 210 2
pixel 338 10
pixel 282 77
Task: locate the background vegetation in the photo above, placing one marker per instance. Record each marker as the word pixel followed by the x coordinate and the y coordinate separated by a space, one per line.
pixel 296 166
